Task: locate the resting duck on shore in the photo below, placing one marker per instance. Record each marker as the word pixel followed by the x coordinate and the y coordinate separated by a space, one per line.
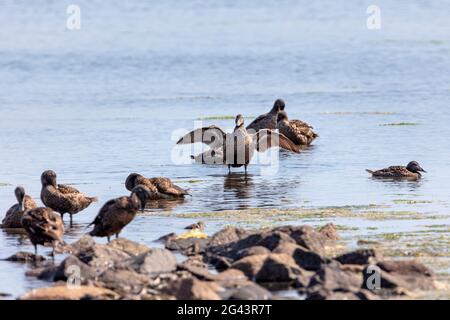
pixel 117 213
pixel 298 131
pixel 160 187
pixel 411 171
pixel 43 226
pixel 62 198
pixel 267 120
pixel 14 215
pixel 241 143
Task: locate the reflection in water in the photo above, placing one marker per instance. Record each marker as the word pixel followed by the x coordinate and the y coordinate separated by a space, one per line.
pixel 240 186
pixel 19 235
pixel 399 183
pixel 165 205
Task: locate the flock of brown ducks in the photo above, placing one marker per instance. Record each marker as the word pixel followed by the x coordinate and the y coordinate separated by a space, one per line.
pixel 44 225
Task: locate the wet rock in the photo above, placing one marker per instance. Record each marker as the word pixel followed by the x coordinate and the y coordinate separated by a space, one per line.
pixel 360 256
pixel 193 289
pixel 197 267
pixel 25 257
pixel 130 247
pixel 189 246
pixel 251 251
pixel 123 281
pixel 304 258
pixel 231 278
pixel 324 294
pixel 335 277
pixel 72 267
pixel 154 262
pixel 329 232
pixel 274 267
pixel 306 237
pixel 63 292
pixel 250 291
pixel 398 275
pixel 226 236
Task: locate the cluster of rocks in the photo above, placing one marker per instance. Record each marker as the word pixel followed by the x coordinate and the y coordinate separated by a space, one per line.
pixel 232 264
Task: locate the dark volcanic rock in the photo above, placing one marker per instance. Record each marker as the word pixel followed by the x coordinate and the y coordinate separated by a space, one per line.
pixel 306 237
pixel 304 258
pixel 251 251
pixel 250 291
pixel 409 275
pixel 154 262
pixel 193 289
pixel 360 256
pixel 74 268
pixel 274 267
pixel 329 232
pixel 335 277
pixel 189 246
pixel 123 281
pixel 25 257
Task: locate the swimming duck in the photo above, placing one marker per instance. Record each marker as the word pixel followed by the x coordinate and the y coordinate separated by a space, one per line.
pixel 298 131
pixel 43 226
pixel 160 187
pixel 117 213
pixel 267 120
pixel 62 198
pixel 411 171
pixel 241 144
pixel 14 215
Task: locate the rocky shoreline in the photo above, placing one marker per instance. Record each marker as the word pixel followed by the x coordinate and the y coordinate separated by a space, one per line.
pixel 233 263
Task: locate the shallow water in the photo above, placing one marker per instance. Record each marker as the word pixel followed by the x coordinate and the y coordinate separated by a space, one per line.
pixel 101 102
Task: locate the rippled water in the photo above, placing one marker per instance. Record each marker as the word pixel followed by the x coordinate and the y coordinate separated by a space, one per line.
pixel 98 103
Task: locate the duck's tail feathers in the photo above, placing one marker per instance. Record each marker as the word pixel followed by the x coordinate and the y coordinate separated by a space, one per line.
pixel 93 199
pixel 369 171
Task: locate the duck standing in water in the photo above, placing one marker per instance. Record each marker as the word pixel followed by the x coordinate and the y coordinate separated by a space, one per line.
pixel 298 131
pixel 267 120
pixel 237 148
pixel 43 226
pixel 117 213
pixel 411 171
pixel 62 198
pixel 160 187
pixel 13 217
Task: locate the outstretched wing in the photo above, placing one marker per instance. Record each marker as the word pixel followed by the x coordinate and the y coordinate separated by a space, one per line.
pixel 208 135
pixel 266 139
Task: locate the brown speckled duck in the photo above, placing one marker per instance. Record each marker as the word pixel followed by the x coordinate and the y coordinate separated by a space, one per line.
pixel 298 131
pixel 267 120
pixel 200 225
pixel 242 143
pixel 62 198
pixel 117 213
pixel 43 226
pixel 160 187
pixel 411 171
pixel 13 217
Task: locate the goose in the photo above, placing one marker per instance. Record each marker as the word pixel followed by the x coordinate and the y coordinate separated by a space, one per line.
pixel 14 215
pixel 160 187
pixel 411 171
pixel 62 198
pixel 43 226
pixel 298 131
pixel 267 120
pixel 237 148
pixel 117 213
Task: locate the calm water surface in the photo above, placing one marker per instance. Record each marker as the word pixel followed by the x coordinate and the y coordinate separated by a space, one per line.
pixel 101 102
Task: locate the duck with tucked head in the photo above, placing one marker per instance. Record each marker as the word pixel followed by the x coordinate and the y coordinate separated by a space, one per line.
pixel 62 198
pixel 160 187
pixel 117 213
pixel 269 119
pixel 13 217
pixel 237 148
pixel 43 226
pixel 411 171
pixel 298 131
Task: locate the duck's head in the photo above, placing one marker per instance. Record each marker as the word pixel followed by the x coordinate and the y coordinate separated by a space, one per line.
pixel 143 194
pixel 20 194
pixel 239 120
pixel 282 115
pixel 130 183
pixel 48 178
pixel 414 166
pixel 278 106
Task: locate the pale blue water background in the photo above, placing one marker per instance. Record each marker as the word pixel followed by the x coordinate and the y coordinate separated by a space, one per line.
pixel 101 102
